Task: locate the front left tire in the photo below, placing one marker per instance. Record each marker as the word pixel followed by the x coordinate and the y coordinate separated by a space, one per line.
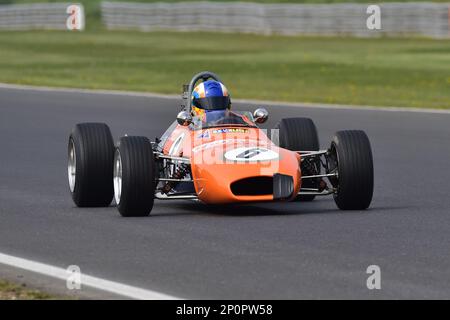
pixel 353 156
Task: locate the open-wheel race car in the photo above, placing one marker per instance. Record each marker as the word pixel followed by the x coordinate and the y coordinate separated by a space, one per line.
pixel 217 156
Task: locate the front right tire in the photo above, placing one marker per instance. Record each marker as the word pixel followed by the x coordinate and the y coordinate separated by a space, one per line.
pixel 134 176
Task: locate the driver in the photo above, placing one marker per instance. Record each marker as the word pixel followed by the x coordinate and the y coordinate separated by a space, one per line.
pixel 211 105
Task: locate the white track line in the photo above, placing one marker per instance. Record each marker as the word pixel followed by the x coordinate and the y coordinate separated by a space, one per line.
pixel 89 91
pixel 93 282
pixel 248 101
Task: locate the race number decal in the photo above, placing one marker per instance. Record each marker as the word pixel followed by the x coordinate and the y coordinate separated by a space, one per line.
pixel 251 154
pixel 75 21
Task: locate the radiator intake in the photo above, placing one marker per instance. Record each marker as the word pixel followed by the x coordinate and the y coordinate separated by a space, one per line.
pixel 253 186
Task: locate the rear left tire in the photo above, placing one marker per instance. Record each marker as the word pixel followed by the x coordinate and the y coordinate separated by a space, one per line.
pixel 300 134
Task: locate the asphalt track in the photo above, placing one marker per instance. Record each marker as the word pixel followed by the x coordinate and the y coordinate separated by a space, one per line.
pixel 270 251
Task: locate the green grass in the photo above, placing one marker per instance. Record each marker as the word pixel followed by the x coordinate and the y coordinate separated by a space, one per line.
pixel 384 72
pixel 10 291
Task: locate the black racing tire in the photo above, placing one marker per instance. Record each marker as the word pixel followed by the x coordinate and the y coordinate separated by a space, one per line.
pixel 137 176
pixel 299 134
pixel 355 170
pixel 90 165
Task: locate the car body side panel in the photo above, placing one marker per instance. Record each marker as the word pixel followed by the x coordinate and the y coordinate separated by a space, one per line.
pixel 222 155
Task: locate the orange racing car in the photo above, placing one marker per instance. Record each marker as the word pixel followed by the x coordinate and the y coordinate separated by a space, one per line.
pixel 216 155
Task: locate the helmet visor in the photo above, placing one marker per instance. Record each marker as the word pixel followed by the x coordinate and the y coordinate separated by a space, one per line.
pixel 212 103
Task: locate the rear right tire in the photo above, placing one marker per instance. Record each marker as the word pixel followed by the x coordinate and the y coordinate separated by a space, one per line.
pixel 90 165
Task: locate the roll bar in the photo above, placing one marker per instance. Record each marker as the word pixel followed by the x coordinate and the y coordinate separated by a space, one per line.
pixel 187 89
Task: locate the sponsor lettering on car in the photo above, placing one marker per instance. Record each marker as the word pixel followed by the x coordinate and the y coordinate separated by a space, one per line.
pixel 204 135
pixel 230 130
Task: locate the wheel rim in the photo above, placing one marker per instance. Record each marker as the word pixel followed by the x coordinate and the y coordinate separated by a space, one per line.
pixel 72 166
pixel 334 156
pixel 117 176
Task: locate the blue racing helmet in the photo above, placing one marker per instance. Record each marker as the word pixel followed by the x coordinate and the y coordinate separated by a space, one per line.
pixel 210 95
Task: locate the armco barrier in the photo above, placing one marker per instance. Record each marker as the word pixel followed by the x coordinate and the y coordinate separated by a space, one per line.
pixel 54 16
pixel 397 19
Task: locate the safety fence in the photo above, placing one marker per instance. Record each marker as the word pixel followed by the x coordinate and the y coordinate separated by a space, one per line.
pixel 397 19
pixel 55 16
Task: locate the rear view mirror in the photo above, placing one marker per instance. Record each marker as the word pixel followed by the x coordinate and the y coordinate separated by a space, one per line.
pixel 184 118
pixel 260 115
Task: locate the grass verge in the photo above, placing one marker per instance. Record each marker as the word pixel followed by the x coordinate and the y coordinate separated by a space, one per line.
pixel 383 72
pixel 10 291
